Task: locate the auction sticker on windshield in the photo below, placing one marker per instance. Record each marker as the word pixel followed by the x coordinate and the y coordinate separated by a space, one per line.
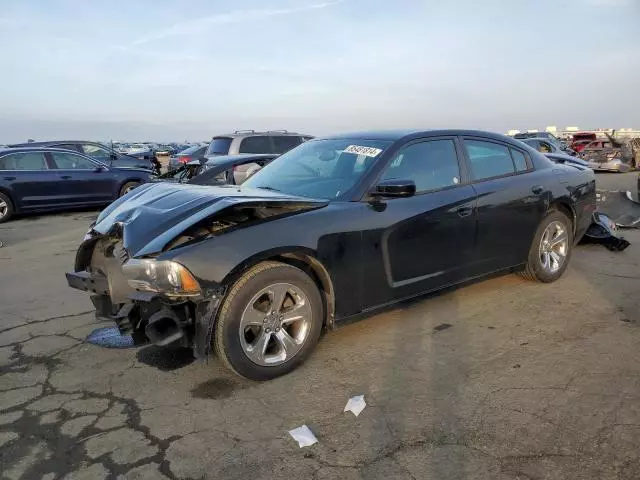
pixel 366 151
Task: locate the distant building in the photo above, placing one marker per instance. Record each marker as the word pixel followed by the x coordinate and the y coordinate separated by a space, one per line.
pixel 551 129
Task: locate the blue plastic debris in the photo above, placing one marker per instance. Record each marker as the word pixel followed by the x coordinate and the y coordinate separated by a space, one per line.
pixel 110 337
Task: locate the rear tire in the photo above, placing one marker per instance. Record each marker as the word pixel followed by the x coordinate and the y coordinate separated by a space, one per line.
pixel 6 208
pixel 260 337
pixel 550 250
pixel 127 187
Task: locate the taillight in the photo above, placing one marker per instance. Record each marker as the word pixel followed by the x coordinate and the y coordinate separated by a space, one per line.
pixel 184 159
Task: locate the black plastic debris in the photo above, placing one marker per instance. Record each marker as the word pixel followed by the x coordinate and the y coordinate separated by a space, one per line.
pixel 620 207
pixel 110 337
pixel 603 231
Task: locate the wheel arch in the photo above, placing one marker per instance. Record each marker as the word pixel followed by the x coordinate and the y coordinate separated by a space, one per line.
pixel 303 258
pixel 566 208
pixel 9 194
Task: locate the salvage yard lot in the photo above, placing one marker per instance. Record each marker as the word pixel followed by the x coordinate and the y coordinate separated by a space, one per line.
pixel 503 379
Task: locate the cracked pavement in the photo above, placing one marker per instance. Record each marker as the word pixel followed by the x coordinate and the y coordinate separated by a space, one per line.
pixel 500 380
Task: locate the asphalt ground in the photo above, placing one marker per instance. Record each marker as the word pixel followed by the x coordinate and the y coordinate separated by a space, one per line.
pixel 501 380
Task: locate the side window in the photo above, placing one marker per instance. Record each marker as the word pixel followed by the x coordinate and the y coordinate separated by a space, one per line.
pixel 69 161
pixel 96 152
pixel 519 160
pixel 23 161
pixel 431 165
pixel 67 146
pixel 488 159
pixel 255 145
pixel 545 148
pixel 284 144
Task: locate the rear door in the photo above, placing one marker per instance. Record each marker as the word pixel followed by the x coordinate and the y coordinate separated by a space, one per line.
pixel 512 199
pixel 426 241
pixel 81 181
pixel 33 185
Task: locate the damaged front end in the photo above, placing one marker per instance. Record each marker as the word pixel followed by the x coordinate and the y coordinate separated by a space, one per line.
pixel 151 300
pixel 126 264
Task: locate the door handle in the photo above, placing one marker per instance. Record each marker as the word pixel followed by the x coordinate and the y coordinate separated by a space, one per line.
pixel 9 178
pixel 65 177
pixel 537 189
pixel 465 210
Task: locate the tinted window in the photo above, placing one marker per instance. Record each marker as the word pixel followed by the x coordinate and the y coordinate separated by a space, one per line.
pixel 69 161
pixel 23 161
pixel 488 159
pixel 255 145
pixel 431 165
pixel 545 147
pixel 96 152
pixel 219 146
pixel 519 160
pixel 284 144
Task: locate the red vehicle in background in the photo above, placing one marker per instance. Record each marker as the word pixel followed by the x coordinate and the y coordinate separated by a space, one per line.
pixel 580 140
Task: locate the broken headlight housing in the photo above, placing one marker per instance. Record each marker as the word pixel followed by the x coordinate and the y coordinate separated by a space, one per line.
pixel 166 277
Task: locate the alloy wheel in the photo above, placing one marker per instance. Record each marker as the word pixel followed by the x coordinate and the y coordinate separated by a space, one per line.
pixel 554 247
pixel 275 324
pixel 4 208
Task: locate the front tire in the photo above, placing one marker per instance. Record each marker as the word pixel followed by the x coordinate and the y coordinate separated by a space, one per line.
pixel 270 321
pixel 551 249
pixel 6 208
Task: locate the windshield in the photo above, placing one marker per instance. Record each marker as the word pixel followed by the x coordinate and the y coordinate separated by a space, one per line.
pixel 319 168
pixel 219 146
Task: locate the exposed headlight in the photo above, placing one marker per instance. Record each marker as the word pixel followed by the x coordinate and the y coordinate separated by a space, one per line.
pixel 169 278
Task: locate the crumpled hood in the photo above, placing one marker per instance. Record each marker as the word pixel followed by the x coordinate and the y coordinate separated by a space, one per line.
pixel 152 215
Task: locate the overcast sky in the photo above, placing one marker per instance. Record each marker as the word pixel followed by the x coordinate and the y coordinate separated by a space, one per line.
pixel 175 70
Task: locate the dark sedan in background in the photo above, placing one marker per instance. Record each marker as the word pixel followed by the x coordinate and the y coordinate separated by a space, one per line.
pixel 220 170
pixel 179 159
pixel 40 179
pixel 335 228
pixel 98 151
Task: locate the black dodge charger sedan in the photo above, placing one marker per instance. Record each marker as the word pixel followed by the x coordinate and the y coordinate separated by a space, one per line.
pixel 336 228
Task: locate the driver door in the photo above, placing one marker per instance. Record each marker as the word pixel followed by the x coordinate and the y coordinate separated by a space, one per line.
pixel 424 242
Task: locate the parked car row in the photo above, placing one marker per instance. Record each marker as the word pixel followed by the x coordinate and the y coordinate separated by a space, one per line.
pixel 95 174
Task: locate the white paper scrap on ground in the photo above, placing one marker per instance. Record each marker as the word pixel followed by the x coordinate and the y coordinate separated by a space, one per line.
pixel 355 404
pixel 304 436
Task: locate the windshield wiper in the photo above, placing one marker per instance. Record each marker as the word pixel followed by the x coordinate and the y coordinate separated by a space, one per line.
pixel 265 187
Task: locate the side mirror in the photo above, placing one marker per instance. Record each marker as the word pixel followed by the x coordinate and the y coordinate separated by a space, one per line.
pixel 99 168
pixel 113 156
pixel 395 189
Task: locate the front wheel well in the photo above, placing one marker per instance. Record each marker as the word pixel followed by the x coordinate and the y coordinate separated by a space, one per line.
pixel 308 264
pixel 7 193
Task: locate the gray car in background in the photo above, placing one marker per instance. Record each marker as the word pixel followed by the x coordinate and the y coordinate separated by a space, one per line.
pixel 250 141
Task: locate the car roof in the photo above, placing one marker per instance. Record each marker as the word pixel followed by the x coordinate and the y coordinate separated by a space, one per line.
pixel 395 135
pixel 544 139
pixel 53 142
pixel 37 149
pixel 269 133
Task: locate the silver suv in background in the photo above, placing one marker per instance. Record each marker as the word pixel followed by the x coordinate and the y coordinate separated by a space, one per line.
pixel 250 141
